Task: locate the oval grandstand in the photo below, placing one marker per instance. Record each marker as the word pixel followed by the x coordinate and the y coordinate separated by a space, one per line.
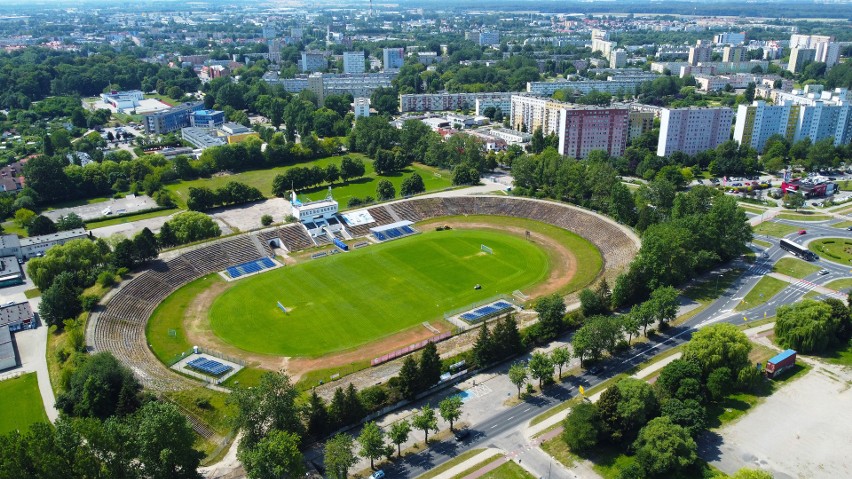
pixel 119 327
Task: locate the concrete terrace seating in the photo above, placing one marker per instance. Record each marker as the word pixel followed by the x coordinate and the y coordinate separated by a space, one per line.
pixel 120 326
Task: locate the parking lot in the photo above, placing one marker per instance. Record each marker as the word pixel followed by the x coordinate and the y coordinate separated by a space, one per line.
pixel 128 204
pixel 798 432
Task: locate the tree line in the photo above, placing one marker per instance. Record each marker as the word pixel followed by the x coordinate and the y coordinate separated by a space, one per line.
pixel 233 193
pixel 814 327
pixel 298 178
pixel 658 424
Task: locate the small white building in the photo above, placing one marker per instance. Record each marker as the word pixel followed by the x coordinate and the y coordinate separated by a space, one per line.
pixel 16 315
pixel 123 100
pixel 361 106
pixel 37 245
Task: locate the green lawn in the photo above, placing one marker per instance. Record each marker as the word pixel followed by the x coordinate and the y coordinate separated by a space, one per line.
pixel 803 216
pixel 778 230
pixel 765 244
pixel 12 228
pixel 169 316
pixel 509 470
pixel 838 250
pixel 350 299
pixel 752 209
pixel 795 267
pixel 20 403
pixel 433 179
pixel 762 292
pixel 841 356
pixel 477 467
pixel 842 224
pixel 450 464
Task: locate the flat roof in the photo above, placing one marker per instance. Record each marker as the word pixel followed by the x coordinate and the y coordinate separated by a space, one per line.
pixel 7 349
pixel 9 266
pixel 58 236
pixel 782 356
pixel 398 224
pixel 14 313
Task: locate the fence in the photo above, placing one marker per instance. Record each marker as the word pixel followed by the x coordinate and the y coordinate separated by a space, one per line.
pixel 409 349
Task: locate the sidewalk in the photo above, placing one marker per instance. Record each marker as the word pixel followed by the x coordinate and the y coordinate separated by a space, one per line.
pixel 463 466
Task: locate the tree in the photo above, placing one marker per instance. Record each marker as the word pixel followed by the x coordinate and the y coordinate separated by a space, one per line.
pixel 590 303
pixel 465 175
pixel 541 368
pixel 518 376
pixel 811 326
pixel 425 421
pixel 24 217
pixel 506 339
pixel 673 376
pixel 630 324
pixel 560 357
pixel 636 406
pixel 398 434
pixel 483 349
pixel 41 225
pixel 372 442
pixel 746 473
pixel 664 449
pixel 165 439
pixel 716 346
pixel 582 427
pixel 99 388
pixel 317 411
pixel 274 457
pixel 191 226
pixel 429 367
pixel 409 378
pixel 794 200
pixel 167 237
pixel 339 455
pixel 385 190
pixel 351 168
pixel 60 301
pixel 124 255
pixel 145 246
pixel 665 303
pixel 550 311
pixel 450 409
pixel 268 406
pixel 719 383
pixel 689 414
pixel 412 185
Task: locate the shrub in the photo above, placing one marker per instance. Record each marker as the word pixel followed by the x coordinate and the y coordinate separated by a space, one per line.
pixel 266 220
pixel 89 301
pixel 106 279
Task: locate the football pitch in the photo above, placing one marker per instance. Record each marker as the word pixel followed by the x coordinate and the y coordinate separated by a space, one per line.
pixel 346 300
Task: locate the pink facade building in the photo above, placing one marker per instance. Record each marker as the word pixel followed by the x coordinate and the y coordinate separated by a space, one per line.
pixel 582 130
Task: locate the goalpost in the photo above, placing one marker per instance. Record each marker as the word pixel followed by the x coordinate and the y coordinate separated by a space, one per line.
pixel 486 249
pixel 282 307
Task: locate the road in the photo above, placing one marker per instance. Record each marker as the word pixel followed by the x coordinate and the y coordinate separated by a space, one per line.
pixel 504 428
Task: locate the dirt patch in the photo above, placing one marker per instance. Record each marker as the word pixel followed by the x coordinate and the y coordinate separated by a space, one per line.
pixel 563 262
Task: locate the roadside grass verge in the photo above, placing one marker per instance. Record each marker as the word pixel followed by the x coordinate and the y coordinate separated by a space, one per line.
pixel 762 292
pixel 795 267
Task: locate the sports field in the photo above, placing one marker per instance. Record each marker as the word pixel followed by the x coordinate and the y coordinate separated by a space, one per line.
pixel 20 403
pixel 347 300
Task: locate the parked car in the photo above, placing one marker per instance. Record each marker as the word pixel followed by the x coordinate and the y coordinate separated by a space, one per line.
pixel 461 434
pixel 380 474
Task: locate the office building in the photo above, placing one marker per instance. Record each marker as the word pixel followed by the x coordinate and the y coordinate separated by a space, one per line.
pixel 733 54
pixel 759 121
pixel 799 58
pixel 701 52
pixel 313 62
pixel 173 119
pixel 353 62
pixel 123 100
pixel 618 59
pixel 693 130
pixel 487 39
pixel 582 130
pixel 361 107
pixel 393 58
pixel 207 118
pixel 730 38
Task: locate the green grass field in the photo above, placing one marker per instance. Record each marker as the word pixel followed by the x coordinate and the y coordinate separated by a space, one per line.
pixel 795 267
pixel 509 470
pixel 20 403
pixel 778 230
pixel 350 299
pixel 804 216
pixel 838 250
pixel 433 179
pixel 762 292
pixel 842 224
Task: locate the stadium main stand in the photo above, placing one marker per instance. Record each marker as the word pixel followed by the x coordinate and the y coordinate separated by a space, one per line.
pixel 120 326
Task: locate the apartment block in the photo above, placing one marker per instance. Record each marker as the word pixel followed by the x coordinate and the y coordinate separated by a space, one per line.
pixel 799 57
pixel 353 62
pixel 393 58
pixel 700 53
pixel 455 101
pixel 618 59
pixel 489 38
pixel 759 121
pixel 313 62
pixel 730 38
pixel 733 54
pixel 639 122
pixel 583 130
pixel 361 107
pixel 529 113
pixel 693 130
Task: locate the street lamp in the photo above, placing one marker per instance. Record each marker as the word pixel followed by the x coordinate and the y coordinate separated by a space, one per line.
pixel 717 284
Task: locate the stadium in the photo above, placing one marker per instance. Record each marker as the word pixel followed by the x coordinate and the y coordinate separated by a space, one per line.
pixel 362 287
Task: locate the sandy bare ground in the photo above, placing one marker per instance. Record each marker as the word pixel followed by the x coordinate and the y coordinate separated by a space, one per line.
pixel 563 264
pixel 800 431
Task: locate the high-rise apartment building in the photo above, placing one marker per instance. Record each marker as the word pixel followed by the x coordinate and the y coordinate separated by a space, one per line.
pixel 799 57
pixel 361 107
pixel 733 54
pixel 693 130
pixel 489 38
pixel 393 58
pixel 758 121
pixel 313 62
pixel 700 53
pixel 826 49
pixel 353 62
pixel 730 38
pixel 618 59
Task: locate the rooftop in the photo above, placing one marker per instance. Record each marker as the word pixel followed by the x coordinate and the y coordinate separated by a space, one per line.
pixel 58 236
pixel 14 313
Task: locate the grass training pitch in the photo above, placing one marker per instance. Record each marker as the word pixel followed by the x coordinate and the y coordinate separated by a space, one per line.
pixel 20 403
pixel 350 299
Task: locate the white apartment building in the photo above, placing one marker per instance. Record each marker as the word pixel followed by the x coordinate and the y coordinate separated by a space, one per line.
pixel 826 49
pixel 692 130
pixel 618 59
pixel 489 38
pixel 759 121
pixel 313 62
pixel 361 107
pixel 353 62
pixel 730 38
pixel 613 85
pixel 455 101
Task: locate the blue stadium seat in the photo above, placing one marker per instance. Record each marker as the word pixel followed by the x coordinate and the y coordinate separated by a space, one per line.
pixel 408 229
